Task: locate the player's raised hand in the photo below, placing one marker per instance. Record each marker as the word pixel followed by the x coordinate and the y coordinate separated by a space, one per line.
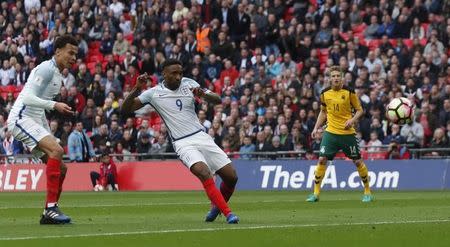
pixel 199 92
pixel 142 80
pixel 63 108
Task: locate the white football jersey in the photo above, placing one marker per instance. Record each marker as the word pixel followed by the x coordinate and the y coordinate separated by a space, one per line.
pixel 176 108
pixel 44 82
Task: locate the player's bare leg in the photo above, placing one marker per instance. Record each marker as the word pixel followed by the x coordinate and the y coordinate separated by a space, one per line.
pixel 229 179
pixel 318 176
pixel 202 172
pixel 55 173
pixel 364 174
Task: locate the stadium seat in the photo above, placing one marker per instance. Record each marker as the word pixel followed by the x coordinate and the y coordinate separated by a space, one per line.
pixel 377 155
pixel 408 43
pixel 374 43
pixel 95 58
pixel 423 41
pixel 323 55
pixel 91 67
pixel 359 29
pixel 393 42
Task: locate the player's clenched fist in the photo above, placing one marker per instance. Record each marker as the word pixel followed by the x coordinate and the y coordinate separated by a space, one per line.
pixel 199 92
pixel 142 80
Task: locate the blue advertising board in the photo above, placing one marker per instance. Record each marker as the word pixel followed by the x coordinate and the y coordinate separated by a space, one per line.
pixel 342 175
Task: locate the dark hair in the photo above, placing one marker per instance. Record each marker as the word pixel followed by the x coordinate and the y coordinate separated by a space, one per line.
pixel 105 153
pixel 62 41
pixel 170 62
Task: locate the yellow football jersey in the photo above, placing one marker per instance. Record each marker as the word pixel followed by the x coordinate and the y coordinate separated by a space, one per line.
pixel 339 106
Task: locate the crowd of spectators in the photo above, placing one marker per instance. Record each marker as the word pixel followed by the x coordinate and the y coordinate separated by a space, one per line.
pixel 268 60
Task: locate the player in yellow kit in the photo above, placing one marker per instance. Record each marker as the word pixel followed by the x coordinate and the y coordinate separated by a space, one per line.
pixel 341 108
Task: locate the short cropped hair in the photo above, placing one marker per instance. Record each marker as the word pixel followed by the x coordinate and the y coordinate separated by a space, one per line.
pixel 170 62
pixel 63 40
pixel 336 68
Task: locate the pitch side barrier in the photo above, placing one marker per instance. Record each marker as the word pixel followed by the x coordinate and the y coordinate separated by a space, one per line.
pixel 253 175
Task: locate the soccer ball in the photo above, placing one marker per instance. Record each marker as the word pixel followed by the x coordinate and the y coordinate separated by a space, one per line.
pixel 400 111
pixel 98 187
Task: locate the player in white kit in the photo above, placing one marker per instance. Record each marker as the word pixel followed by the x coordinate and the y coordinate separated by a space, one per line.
pixel 174 100
pixel 28 123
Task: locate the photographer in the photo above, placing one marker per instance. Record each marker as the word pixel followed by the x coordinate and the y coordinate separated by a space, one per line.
pixel 397 152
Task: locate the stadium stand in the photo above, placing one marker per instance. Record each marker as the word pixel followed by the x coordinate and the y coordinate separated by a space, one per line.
pixel 277 65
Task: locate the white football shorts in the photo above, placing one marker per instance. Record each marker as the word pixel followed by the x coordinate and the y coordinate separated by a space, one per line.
pixel 201 147
pixel 30 132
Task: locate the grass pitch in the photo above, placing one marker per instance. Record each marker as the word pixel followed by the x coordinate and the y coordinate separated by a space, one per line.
pixel 267 219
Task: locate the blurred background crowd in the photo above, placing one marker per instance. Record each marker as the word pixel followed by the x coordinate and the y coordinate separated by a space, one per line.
pixel 267 59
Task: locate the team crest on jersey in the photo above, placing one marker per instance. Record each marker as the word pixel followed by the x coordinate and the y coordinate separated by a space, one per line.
pixel 343 96
pixel 185 91
pixel 322 149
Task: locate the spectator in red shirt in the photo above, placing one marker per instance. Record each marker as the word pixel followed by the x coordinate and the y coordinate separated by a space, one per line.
pixel 107 173
pixel 131 76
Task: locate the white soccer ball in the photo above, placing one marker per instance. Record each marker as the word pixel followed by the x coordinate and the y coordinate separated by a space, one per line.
pixel 400 111
pixel 98 187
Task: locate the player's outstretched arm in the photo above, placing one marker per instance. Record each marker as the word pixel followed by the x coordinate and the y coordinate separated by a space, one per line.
pixel 208 95
pixel 132 102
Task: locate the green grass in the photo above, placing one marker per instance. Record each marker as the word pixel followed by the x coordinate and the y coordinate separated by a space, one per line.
pixel 267 219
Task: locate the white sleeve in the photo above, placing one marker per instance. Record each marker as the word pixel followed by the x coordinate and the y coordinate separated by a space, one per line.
pixel 41 77
pixel 146 96
pixel 191 83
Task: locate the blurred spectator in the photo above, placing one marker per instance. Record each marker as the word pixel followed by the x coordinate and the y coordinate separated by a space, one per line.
pixel 246 148
pixel 394 135
pixel 159 147
pixel 444 114
pixel 413 133
pixel 439 140
pixel 123 154
pixel 101 137
pixel 397 151
pixel 115 133
pixel 276 147
pixel 374 145
pixel 143 146
pixel 79 145
pixel 120 46
pixel 372 29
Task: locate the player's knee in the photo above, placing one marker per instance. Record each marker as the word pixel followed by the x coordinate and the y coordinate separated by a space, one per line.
pixel 201 171
pixel 357 162
pixel 57 152
pixel 234 180
pixel 322 161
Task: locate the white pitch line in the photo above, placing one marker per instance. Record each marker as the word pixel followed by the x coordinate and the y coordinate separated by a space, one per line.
pixel 143 204
pixel 225 229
